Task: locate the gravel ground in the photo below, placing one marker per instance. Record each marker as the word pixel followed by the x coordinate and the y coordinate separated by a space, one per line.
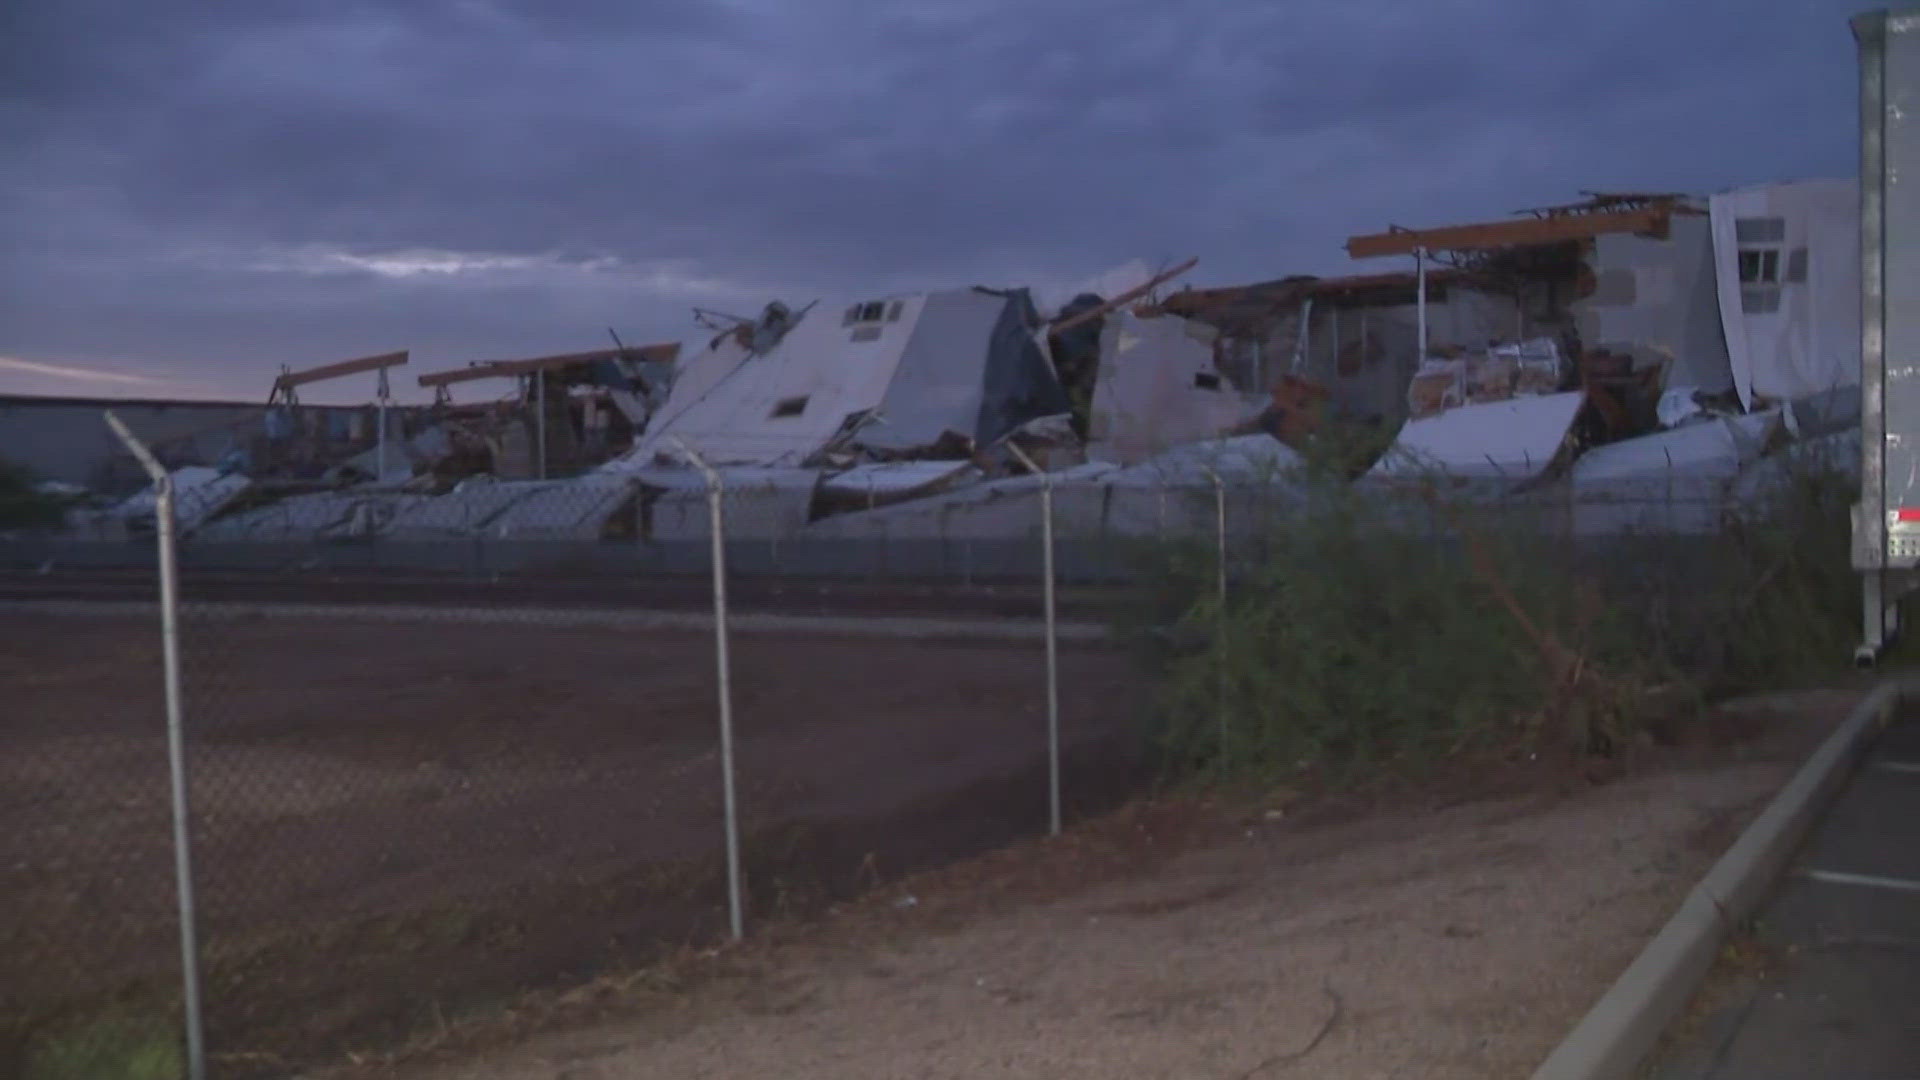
pixel 1430 940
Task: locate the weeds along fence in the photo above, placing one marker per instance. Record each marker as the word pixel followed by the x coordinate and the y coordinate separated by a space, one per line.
pixel 419 803
pixel 1356 630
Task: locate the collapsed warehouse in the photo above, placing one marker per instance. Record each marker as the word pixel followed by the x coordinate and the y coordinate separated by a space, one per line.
pixel 1614 342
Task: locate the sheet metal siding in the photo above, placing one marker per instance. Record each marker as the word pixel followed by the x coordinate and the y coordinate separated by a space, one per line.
pixel 1019 383
pixel 938 383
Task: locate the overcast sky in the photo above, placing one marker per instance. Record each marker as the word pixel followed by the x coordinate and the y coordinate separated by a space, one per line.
pixel 194 193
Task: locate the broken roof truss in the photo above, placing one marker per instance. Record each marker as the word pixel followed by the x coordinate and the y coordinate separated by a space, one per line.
pixel 1637 214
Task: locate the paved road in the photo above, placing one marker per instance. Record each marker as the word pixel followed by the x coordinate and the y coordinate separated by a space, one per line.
pixel 1839 998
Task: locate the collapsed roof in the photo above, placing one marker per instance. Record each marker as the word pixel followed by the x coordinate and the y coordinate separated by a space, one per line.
pixel 885 377
pixel 1648 215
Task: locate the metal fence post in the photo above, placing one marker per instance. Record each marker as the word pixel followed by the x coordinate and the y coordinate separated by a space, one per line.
pixel 1669 477
pixel 1053 643
pixel 716 495
pixel 774 525
pixel 1220 623
pixel 163 520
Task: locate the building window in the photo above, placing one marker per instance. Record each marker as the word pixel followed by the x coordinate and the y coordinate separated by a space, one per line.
pixel 1797 266
pixel 1206 380
pixel 866 333
pixel 865 313
pixel 1759 266
pixel 893 311
pixel 787 407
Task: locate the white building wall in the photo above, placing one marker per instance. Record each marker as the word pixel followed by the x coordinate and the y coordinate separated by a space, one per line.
pixel 1787 268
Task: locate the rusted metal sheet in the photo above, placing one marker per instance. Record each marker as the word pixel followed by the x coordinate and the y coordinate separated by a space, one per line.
pixel 1651 222
pixel 1265 298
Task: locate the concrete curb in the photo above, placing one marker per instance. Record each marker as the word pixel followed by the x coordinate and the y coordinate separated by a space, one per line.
pixel 1615 1036
pixel 882 626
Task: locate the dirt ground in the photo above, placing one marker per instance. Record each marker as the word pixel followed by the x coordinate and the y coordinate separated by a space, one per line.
pixel 1448 931
pixel 397 825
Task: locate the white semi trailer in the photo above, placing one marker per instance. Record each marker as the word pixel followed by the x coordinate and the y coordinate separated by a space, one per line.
pixel 1886 521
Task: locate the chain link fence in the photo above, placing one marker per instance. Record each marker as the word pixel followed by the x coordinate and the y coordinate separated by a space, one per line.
pixel 460 757
pixel 412 811
pixel 89 955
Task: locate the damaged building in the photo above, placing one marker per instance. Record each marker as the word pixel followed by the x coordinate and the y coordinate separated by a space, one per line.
pixel 927 374
pixel 1613 342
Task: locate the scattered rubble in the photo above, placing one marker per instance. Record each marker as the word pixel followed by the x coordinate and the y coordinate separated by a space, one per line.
pixel 1608 346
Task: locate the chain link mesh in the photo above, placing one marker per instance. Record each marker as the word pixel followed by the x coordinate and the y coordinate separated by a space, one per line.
pixel 448 757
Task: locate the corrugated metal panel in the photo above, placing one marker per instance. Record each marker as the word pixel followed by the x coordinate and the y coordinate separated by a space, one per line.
pixel 895 478
pixel 938 384
pixel 198 494
pixel 1499 440
pixel 573 510
pixel 464 510
pixel 737 408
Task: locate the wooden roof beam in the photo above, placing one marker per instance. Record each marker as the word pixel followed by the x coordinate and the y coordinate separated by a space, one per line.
pixel 1116 303
pixel 665 352
pixel 289 380
pixel 1525 232
pixel 458 375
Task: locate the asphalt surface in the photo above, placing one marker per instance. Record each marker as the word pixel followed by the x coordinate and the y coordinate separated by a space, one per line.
pixel 1837 996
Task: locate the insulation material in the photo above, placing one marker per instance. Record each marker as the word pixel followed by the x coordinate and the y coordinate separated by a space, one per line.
pixel 1491 378
pixel 1157 387
pixel 1528 368
pixel 1537 364
pixel 1787 266
pixel 1677 405
pixel 1439 385
pixel 1511 440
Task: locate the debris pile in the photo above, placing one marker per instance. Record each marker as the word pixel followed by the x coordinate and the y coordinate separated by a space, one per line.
pixel 1602 343
pixel 1521 369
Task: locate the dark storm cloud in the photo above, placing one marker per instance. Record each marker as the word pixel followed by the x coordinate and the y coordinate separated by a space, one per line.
pixel 206 181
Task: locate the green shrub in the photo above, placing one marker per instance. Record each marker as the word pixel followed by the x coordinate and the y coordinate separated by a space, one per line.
pixel 1788 593
pixel 1373 633
pixel 111 1048
pixel 23 506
